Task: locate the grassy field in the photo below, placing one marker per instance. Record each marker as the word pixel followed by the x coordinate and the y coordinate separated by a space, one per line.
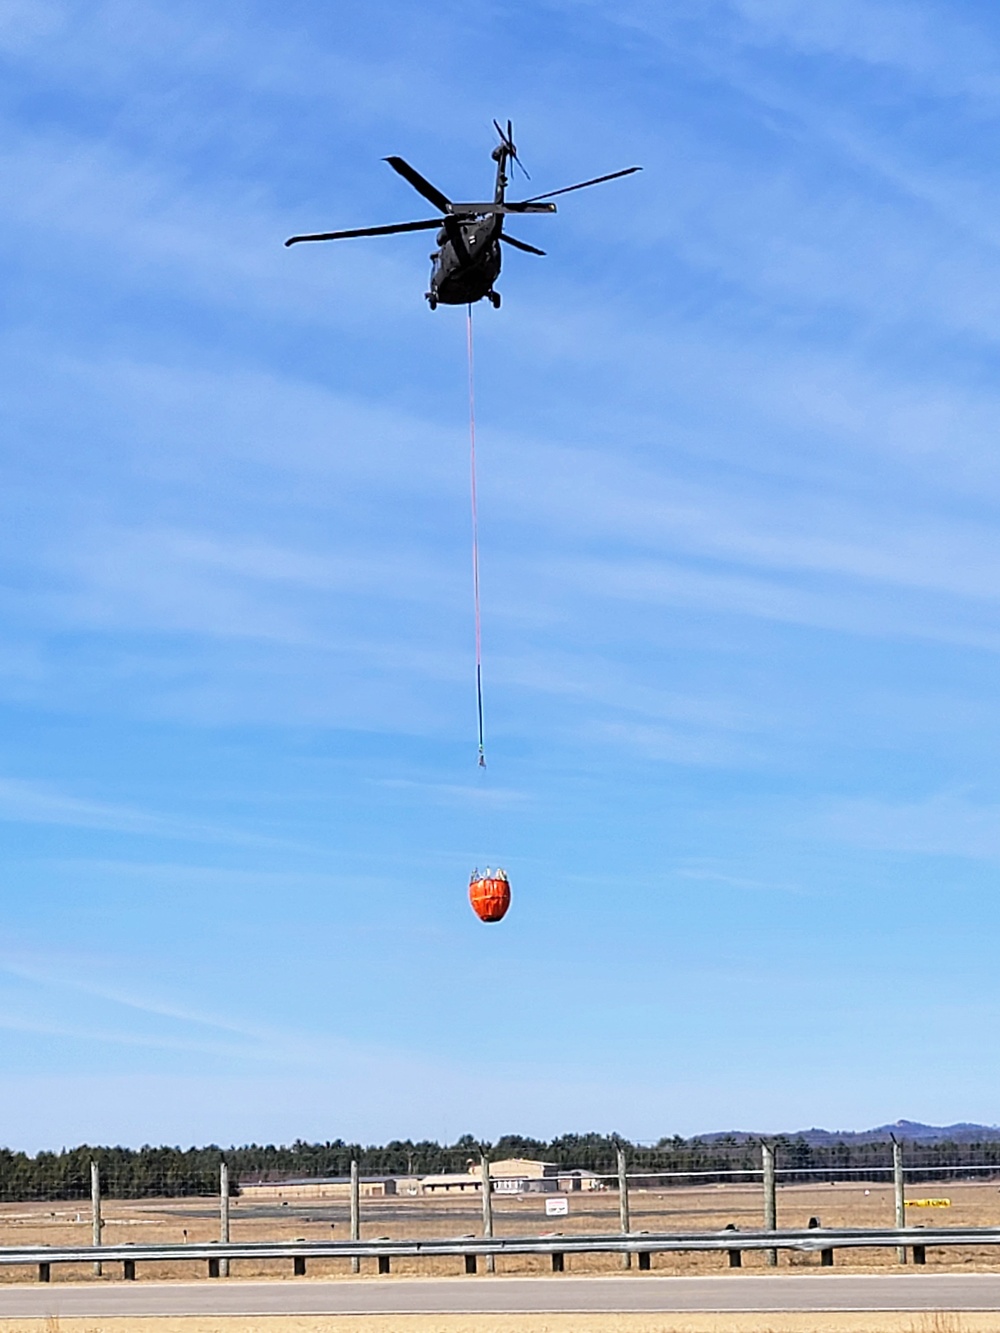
pixel 678 1209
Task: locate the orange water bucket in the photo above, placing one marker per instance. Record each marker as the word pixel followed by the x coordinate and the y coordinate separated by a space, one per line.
pixel 489 895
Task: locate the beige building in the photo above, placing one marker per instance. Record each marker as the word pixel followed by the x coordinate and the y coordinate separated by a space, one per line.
pixel 330 1187
pixel 450 1182
pixel 579 1180
pixel 514 1175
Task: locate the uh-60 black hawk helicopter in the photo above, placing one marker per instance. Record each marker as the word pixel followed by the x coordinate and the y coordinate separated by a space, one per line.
pixel 467 261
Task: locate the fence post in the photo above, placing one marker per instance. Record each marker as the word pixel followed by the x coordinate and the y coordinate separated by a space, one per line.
pixel 355 1214
pixel 897 1180
pixel 484 1167
pixel 770 1198
pixel 224 1214
pixel 623 1211
pixel 95 1210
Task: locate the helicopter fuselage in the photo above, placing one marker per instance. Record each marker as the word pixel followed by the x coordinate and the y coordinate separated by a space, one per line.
pixel 470 236
pixel 462 279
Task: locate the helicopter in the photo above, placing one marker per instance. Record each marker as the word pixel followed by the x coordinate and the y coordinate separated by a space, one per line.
pixel 467 262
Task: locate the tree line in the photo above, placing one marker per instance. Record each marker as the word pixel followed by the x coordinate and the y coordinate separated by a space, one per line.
pixel 136 1173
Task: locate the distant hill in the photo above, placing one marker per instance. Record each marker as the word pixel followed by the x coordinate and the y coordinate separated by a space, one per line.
pixel 909 1130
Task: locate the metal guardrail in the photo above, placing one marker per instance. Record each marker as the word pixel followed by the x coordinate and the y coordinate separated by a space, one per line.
pixel 558 1245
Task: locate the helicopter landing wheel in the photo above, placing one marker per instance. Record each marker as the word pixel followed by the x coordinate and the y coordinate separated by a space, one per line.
pixel 432 300
pixel 494 299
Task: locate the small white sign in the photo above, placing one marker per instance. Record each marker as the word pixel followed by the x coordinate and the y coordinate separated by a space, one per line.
pixel 556 1207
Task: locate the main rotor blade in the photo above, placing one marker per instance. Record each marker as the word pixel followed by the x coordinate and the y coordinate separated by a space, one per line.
pixel 598 180
pixel 521 245
pixel 420 184
pixel 367 231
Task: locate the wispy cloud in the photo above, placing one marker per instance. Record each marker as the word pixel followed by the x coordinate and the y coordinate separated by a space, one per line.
pixel 199 582
pixel 23 23
pixel 455 794
pixel 741 883
pixel 950 824
pixel 23 802
pixel 931 44
pixel 59 986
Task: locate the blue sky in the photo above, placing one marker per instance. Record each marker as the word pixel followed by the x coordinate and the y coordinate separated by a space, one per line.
pixel 739 493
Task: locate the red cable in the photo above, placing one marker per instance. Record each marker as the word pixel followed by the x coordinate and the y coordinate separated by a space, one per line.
pixel 475 544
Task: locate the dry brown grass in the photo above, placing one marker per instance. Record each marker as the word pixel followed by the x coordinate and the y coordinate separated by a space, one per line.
pixel 937 1321
pixel 680 1209
pixel 844 1322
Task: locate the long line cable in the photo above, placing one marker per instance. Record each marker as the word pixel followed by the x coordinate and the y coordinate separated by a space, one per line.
pixel 475 542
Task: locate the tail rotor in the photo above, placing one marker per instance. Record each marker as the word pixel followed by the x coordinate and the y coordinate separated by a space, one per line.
pixel 508 147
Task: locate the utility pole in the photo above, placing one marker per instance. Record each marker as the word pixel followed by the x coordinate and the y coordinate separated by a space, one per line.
pixel 897 1180
pixel 770 1198
pixel 623 1211
pixel 355 1214
pixel 224 1214
pixel 484 1167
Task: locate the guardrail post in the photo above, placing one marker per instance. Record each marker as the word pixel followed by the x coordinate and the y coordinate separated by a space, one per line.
pixel 623 1209
pixel 919 1254
pixel 558 1262
pixel 128 1270
pixel 770 1198
pixel 644 1261
pixel 95 1210
pixel 223 1215
pixel 383 1264
pixel 213 1268
pixel 45 1272
pixel 299 1265
pixel 735 1256
pixel 897 1180
pixel 825 1256
pixel 355 1214
pixel 470 1263
pixel 487 1190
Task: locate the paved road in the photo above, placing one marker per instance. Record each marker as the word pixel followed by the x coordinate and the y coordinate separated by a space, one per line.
pixel 827 1291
